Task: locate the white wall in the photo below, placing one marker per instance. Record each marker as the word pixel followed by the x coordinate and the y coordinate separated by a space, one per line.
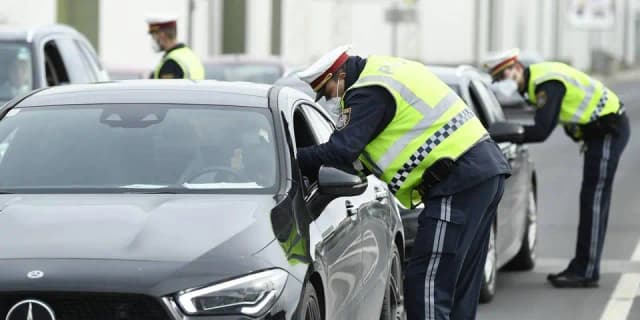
pixel 445 32
pixel 124 41
pixel 27 12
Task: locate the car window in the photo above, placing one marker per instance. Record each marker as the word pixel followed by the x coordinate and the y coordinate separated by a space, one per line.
pixel 76 64
pixel 322 127
pixel 496 109
pixel 137 148
pixel 487 105
pixel 55 69
pixel 16 73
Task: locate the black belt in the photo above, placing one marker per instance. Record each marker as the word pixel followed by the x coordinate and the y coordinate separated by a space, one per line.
pixel 607 124
pixel 435 174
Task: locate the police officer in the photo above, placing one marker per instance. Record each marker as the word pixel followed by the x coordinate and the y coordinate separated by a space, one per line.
pixel 590 113
pixel 413 132
pixel 178 61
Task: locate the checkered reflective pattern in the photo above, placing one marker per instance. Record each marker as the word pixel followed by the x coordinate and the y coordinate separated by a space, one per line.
pixel 601 104
pixel 431 143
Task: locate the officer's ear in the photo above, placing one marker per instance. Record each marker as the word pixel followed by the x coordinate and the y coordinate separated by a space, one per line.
pixel 341 74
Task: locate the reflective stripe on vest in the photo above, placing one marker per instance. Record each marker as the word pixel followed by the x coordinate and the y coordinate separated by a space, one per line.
pixel 431 123
pixel 188 62
pixel 585 99
pixel 430 115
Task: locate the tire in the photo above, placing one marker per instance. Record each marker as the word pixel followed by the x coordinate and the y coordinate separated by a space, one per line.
pixel 488 289
pixel 310 305
pixel 526 258
pixel 393 303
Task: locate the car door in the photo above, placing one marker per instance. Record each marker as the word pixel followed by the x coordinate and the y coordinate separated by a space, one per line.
pixel 512 208
pixel 340 248
pixel 374 223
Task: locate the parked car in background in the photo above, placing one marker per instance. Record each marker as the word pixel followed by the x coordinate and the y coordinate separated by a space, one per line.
pixel 245 68
pixel 45 56
pixel 513 236
pixel 182 200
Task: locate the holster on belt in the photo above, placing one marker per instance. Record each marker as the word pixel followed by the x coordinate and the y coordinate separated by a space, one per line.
pixel 435 174
pixel 607 124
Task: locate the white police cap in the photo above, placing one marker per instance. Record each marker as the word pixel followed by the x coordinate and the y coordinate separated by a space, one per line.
pixel 317 74
pixel 498 61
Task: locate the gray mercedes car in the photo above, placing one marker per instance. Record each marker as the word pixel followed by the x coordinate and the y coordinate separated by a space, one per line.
pixel 183 200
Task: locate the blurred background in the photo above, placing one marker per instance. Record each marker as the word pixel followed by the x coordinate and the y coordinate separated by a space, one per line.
pixel 601 36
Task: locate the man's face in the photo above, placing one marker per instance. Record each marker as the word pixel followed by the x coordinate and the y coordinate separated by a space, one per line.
pixel 157 38
pixel 514 73
pixel 334 88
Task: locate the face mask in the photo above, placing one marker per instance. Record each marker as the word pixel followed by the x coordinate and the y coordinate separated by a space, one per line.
pixel 335 101
pixel 505 87
pixel 155 45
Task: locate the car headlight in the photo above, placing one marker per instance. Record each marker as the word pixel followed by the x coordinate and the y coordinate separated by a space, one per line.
pixel 250 295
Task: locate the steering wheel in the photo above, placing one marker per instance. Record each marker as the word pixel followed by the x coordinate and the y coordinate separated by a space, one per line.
pixel 216 169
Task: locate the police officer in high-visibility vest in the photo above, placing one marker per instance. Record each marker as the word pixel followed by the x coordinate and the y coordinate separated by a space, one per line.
pixel 590 113
pixel 414 133
pixel 178 62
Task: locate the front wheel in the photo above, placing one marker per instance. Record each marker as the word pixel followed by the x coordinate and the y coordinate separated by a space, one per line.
pixel 488 289
pixel 310 305
pixel 393 303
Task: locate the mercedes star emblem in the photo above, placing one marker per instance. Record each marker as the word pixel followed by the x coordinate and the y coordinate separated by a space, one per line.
pixel 35 274
pixel 30 310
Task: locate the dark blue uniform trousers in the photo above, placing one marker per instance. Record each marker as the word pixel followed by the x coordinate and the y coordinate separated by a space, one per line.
pixel 600 164
pixel 444 274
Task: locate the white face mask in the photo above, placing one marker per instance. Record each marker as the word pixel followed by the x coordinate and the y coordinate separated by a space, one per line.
pixel 335 101
pixel 155 45
pixel 505 88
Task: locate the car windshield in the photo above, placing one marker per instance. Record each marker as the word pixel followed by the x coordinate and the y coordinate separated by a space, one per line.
pixel 250 72
pixel 137 148
pixel 15 70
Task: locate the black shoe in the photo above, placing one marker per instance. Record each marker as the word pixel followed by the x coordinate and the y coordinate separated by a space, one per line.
pixel 567 279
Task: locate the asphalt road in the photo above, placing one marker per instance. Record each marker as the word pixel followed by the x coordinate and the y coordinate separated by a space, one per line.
pixel 527 295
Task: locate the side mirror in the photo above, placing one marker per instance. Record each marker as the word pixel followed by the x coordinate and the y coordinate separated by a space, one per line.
pixel 506 132
pixel 335 182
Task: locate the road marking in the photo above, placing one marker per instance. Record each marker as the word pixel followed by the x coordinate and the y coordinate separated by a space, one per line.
pixel 626 290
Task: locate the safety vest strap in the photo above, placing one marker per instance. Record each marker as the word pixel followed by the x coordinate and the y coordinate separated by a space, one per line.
pixel 429 113
pixel 589 91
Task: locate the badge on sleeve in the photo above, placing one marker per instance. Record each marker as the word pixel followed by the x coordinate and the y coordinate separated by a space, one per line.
pixel 344 119
pixel 541 99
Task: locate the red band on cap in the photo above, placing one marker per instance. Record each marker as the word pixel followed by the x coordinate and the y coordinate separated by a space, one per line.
pixel 503 65
pixel 164 25
pixel 334 67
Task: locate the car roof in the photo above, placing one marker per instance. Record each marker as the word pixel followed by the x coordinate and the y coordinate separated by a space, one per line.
pixel 28 34
pixel 153 91
pixel 454 74
pixel 243 59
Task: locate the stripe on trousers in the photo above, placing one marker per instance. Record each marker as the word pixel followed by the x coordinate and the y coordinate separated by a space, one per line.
pixel 434 260
pixel 597 206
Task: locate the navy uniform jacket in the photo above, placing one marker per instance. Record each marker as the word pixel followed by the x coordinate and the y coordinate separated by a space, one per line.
pixel 372 109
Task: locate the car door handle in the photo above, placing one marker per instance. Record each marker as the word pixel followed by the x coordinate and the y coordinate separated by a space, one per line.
pixel 351 209
pixel 381 194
